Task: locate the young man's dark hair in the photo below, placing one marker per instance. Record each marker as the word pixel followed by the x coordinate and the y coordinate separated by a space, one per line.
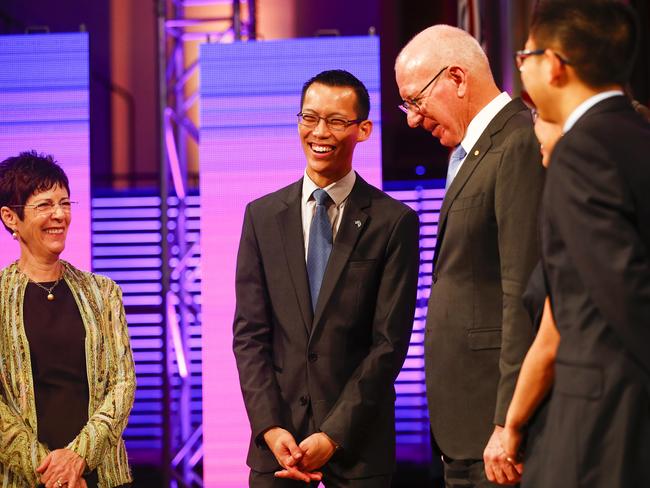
pixel 339 77
pixel 597 38
pixel 26 174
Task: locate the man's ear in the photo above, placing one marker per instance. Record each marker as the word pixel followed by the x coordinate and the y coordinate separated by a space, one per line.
pixel 458 76
pixel 365 129
pixel 9 217
pixel 556 69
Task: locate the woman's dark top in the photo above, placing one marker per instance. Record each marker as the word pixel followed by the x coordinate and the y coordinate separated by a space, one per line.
pixel 56 336
pixel 534 297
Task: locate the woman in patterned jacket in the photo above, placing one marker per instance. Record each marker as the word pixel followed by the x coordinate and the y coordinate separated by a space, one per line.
pixel 67 379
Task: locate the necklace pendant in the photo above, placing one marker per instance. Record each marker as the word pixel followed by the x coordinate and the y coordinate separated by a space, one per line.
pixel 50 296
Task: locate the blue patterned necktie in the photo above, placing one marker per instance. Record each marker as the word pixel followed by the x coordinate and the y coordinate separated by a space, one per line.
pixel 457 156
pixel 320 244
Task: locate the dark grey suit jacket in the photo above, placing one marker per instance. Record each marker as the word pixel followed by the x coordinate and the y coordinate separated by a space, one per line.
pixel 596 251
pixel 477 330
pixel 332 370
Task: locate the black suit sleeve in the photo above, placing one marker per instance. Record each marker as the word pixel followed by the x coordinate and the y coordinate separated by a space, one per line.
pixel 373 379
pixel 252 335
pixel 594 210
pixel 518 191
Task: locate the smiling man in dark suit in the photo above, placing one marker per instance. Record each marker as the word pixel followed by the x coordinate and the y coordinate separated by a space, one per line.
pixel 326 286
pixel 477 330
pixel 595 246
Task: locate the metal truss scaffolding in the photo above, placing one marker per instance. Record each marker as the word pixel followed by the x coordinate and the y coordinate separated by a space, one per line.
pixel 182 26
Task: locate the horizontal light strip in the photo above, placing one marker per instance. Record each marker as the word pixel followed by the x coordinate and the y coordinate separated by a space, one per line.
pixel 125 225
pixel 117 202
pixel 127 213
pixel 125 250
pixel 127 263
pixel 124 238
pixel 140 275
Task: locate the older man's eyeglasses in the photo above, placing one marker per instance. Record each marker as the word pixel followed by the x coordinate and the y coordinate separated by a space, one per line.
pixel 48 207
pixel 523 54
pixel 333 123
pixel 414 103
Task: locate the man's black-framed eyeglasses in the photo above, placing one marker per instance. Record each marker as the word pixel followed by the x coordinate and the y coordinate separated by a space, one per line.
pixel 413 103
pixel 333 123
pixel 522 54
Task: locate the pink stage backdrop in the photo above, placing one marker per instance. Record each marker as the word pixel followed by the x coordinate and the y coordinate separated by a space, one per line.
pixel 250 93
pixel 44 107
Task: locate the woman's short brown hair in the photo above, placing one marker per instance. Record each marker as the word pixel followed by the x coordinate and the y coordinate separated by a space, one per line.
pixel 26 174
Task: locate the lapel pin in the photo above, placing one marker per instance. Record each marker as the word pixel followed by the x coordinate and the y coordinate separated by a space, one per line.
pixel 476 153
pixel 357 223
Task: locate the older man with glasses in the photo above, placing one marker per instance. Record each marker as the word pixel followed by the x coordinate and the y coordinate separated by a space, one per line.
pixel 477 330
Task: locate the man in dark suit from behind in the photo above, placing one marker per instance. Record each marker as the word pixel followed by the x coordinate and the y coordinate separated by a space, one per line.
pixel 318 353
pixel 477 330
pixel 595 246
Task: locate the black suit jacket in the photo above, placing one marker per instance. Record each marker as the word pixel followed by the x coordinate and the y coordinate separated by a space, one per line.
pixel 596 252
pixel 477 330
pixel 332 370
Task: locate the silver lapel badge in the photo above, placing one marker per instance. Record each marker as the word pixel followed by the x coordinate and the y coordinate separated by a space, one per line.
pixel 357 223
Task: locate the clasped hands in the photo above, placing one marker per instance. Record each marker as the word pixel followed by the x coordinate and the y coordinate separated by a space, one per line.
pixel 62 467
pixel 299 461
pixel 502 464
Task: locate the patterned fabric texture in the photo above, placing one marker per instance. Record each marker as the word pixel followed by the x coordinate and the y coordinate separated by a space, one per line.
pixel 111 381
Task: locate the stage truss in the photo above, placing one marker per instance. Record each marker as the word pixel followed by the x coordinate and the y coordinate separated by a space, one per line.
pixel 182 26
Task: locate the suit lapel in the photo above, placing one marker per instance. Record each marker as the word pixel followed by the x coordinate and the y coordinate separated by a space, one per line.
pixel 351 228
pixel 290 221
pixel 474 157
pixel 472 160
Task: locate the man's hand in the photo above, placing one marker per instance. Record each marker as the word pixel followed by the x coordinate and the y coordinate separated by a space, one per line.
pixel 498 467
pixel 296 474
pixel 286 451
pixel 62 467
pixel 317 449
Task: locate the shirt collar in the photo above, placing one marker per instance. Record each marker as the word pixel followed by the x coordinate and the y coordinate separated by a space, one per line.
pixel 581 109
pixel 482 119
pixel 338 191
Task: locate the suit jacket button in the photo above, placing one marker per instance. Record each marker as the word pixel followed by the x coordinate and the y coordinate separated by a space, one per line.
pixel 312 357
pixel 304 400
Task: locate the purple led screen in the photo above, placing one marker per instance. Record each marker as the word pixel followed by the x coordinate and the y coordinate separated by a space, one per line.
pixel 44 107
pixel 250 94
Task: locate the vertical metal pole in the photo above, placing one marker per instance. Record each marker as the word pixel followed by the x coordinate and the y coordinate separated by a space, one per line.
pixel 184 401
pixel 252 20
pixel 164 244
pixel 236 19
pixel 506 64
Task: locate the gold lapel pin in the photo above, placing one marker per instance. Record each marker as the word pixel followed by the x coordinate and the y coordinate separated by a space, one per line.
pixel 476 153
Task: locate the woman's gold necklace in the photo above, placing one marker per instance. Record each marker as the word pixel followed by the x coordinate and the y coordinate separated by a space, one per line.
pixel 50 295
